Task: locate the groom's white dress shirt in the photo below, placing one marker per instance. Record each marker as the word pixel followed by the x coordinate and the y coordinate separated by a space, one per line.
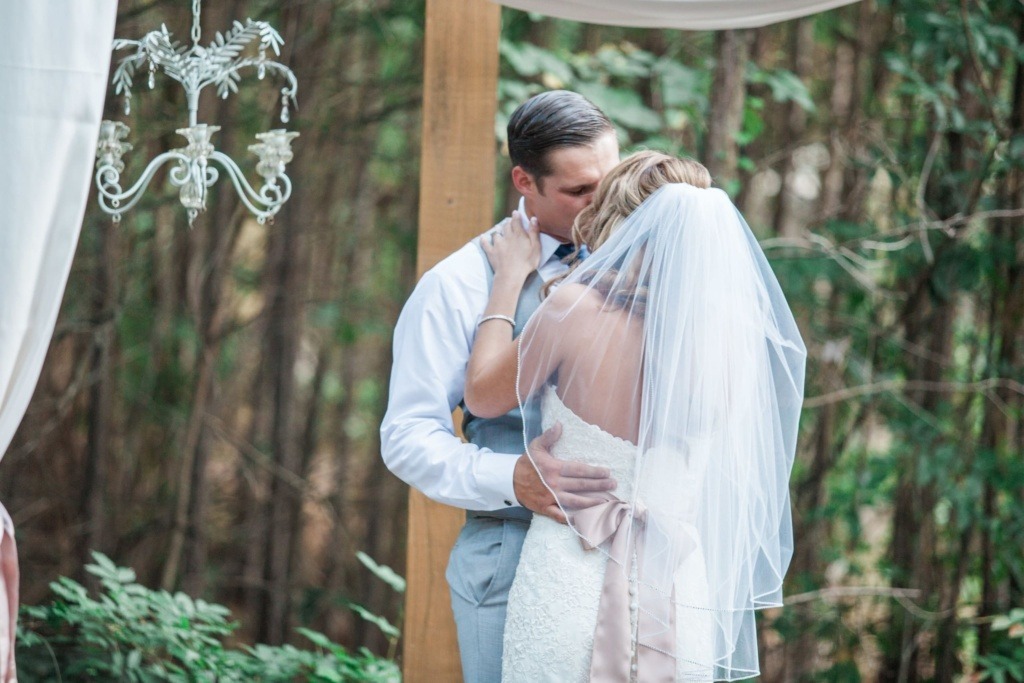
pixel 433 339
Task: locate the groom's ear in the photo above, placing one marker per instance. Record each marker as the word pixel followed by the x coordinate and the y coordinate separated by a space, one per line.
pixel 524 182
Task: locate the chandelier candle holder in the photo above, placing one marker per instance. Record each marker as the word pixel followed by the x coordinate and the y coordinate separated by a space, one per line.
pixel 196 68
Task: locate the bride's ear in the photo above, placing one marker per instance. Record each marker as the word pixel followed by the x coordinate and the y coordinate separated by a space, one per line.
pixel 524 181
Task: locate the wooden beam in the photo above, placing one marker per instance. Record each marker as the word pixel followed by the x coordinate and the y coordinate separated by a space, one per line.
pixel 460 83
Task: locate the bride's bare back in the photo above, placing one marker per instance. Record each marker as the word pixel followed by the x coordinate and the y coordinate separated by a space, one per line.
pixel 597 358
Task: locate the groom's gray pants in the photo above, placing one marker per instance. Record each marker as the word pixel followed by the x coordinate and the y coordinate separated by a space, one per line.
pixel 480 572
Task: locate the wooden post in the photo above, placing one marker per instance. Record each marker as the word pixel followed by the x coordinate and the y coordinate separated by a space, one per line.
pixel 460 83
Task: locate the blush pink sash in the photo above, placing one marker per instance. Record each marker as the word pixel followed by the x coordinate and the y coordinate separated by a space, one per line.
pixel 611 661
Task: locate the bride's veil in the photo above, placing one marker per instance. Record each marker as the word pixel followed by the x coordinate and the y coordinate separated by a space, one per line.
pixel 672 347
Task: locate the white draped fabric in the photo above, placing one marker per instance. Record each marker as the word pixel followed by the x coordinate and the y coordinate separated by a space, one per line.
pixel 694 15
pixel 53 77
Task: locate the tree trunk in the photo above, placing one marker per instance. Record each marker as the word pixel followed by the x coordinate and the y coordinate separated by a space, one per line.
pixel 728 93
pixel 801 45
pixel 93 502
pixel 283 329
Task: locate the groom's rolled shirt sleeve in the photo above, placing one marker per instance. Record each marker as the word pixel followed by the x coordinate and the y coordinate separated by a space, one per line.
pixel 433 340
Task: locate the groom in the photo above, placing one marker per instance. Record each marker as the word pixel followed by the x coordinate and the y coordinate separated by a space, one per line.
pixel 561 146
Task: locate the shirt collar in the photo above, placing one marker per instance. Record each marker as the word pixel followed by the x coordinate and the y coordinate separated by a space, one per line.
pixel 548 244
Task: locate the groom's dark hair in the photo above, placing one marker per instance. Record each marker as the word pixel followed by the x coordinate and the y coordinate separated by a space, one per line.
pixel 550 121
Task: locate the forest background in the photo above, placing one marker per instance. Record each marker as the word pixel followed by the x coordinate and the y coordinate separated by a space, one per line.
pixel 208 411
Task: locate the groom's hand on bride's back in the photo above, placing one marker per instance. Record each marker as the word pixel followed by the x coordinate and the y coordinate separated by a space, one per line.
pixel 571 481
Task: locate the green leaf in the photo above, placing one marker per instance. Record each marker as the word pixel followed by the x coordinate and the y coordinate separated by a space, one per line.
pixel 785 85
pixel 382 572
pixel 318 639
pixel 529 60
pixel 622 106
pixel 681 86
pixel 625 63
pixel 380 622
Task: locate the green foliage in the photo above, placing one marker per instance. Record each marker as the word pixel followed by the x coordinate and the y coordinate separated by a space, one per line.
pixel 613 77
pixel 785 85
pixel 132 633
pixel 382 572
pixel 655 101
pixel 1006 663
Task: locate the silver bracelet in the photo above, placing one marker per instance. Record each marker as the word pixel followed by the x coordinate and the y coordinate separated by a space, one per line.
pixel 510 320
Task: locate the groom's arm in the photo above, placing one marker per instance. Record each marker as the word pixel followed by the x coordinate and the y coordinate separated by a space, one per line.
pixel 433 339
pixel 550 487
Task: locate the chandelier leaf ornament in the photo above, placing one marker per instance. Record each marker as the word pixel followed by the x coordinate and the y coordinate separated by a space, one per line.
pixel 197 67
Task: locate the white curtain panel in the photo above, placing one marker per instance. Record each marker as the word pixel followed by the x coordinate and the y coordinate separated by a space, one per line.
pixel 694 15
pixel 53 78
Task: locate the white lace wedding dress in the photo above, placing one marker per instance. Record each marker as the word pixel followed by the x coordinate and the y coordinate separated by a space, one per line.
pixel 553 602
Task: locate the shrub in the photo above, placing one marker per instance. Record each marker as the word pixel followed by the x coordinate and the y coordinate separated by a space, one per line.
pixel 132 633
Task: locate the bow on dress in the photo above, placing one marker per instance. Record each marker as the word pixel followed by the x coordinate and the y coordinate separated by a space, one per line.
pixel 612 657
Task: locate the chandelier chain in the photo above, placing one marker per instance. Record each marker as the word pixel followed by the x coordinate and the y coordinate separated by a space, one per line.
pixel 195 22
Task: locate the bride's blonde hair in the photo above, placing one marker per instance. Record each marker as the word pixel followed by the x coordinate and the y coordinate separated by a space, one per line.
pixel 625 188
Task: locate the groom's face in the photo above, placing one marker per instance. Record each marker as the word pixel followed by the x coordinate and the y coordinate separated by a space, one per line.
pixel 558 197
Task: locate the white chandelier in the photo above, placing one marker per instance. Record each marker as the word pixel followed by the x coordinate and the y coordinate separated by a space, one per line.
pixel 196 68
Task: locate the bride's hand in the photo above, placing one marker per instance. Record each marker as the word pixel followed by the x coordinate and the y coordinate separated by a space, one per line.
pixel 513 251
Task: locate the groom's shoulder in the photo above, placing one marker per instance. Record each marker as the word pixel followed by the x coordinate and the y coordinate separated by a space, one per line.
pixel 462 261
pixel 465 266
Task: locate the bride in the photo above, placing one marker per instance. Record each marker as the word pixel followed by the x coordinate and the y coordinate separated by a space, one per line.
pixel 669 356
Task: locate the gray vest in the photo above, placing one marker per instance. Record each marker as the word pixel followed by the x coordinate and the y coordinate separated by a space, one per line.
pixel 504 434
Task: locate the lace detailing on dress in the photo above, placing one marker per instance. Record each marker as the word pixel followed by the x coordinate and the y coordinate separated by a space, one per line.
pixel 549 631
pixel 585 442
pixel 553 602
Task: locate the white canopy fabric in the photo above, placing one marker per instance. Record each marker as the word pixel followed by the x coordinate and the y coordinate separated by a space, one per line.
pixel 53 78
pixel 694 15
